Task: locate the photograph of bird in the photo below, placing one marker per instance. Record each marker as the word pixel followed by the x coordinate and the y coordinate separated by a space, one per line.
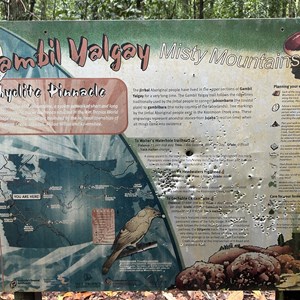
pixel 132 232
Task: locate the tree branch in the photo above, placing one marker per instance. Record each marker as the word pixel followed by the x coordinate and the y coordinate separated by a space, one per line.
pixel 139 248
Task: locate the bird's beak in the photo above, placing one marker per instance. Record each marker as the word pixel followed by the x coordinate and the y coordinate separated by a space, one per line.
pixel 158 213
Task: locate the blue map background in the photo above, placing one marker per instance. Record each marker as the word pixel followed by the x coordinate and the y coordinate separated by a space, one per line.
pixel 69 222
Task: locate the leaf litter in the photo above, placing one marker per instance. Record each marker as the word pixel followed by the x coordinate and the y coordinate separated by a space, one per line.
pixel 153 295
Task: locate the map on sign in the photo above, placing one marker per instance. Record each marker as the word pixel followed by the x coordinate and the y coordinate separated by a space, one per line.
pixel 55 198
pixel 60 211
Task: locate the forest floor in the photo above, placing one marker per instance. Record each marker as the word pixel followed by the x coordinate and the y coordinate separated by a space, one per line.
pixel 151 295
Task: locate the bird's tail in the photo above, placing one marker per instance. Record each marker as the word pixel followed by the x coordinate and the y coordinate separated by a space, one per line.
pixel 111 259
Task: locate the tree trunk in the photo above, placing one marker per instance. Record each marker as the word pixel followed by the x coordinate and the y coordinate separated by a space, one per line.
pixel 17 10
pixel 284 5
pixel 185 6
pixel 54 10
pixel 31 10
pixel 85 13
pixel 292 9
pixel 43 9
pixel 241 8
pixel 201 9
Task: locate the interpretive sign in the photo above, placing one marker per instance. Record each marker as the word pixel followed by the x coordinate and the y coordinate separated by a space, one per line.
pixel 147 155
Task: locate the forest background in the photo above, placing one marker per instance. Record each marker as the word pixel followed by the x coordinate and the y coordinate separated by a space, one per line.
pixel 146 9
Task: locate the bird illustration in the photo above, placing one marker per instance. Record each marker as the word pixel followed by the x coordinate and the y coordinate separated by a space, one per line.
pixel 132 232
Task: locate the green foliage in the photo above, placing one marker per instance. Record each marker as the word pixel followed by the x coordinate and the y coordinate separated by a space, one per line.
pixel 256 8
pixel 159 9
pixel 146 9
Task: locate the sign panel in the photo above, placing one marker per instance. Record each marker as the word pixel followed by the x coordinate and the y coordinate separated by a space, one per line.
pixel 148 155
